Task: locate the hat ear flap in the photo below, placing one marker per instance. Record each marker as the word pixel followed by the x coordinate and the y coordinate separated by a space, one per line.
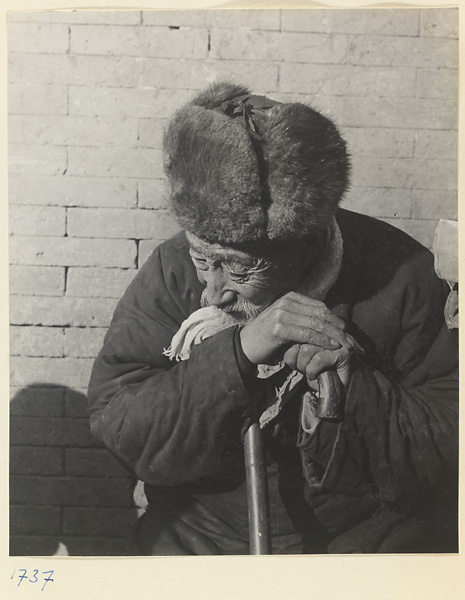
pixel 308 170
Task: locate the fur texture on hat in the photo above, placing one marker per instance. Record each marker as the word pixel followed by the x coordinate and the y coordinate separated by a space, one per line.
pixel 230 188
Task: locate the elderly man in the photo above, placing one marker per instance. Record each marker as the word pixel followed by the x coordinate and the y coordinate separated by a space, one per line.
pixel 269 286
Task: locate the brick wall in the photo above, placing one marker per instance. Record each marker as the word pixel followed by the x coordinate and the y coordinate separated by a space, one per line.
pixel 89 93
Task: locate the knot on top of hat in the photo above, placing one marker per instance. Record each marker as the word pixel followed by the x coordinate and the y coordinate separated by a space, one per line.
pixel 248 107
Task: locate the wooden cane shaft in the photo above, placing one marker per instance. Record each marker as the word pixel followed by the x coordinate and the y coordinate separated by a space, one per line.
pixel 257 492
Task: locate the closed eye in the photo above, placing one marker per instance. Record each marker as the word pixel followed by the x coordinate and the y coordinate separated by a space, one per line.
pixel 199 263
pixel 239 275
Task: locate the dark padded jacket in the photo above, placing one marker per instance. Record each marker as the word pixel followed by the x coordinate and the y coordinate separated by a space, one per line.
pixel 178 425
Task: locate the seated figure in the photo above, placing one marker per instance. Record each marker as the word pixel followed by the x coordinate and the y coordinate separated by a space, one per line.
pixel 269 286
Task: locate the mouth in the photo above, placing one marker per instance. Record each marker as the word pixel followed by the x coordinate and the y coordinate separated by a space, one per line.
pixel 240 311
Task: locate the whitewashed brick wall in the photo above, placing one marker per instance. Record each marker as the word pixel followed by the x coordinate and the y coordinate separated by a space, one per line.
pixel 89 93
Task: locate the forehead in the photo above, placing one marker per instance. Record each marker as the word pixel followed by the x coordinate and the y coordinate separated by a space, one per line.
pixel 217 252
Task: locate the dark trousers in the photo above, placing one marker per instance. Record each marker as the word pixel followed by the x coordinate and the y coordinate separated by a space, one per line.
pixel 214 524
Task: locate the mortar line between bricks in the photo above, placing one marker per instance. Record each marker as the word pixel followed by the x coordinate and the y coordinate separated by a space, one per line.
pixel 93 267
pixel 413 189
pixel 115 178
pixel 90 237
pixel 219 59
pixel 142 148
pixel 66 228
pixel 62 326
pixel 229 29
pixel 74 267
pixel 65 282
pixel 62 267
pixel 120 25
pixel 101 146
pixel 80 477
pixel 130 209
pixel 37 235
pixel 105 177
pixel 285 32
pixel 134 58
pixel 169 59
pixel 77 85
pixel 30 445
pixel 67 162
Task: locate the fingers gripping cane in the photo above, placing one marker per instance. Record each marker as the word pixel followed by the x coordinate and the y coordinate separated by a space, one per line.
pixel 255 465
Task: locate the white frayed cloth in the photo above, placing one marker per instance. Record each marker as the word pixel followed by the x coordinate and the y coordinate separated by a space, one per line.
pixel 202 324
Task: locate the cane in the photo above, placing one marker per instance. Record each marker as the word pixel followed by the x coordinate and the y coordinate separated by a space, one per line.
pixel 330 406
pixel 257 491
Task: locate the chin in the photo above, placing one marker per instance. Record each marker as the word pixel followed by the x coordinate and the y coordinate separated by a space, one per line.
pixel 242 317
pixel 238 317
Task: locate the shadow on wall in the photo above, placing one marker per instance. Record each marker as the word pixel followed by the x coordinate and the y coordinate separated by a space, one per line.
pixel 68 495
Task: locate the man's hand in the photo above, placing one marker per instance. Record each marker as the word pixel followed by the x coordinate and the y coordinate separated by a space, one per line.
pixel 295 319
pixel 312 361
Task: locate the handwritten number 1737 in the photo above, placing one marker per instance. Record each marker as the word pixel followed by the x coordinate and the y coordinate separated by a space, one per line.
pixel 22 574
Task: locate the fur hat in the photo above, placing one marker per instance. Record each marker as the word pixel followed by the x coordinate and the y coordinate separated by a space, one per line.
pixel 246 170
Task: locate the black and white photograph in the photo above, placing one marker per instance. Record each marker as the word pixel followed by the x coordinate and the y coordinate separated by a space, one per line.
pixel 233 279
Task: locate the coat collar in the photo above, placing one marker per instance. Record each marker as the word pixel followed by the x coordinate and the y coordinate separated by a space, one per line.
pixel 327 265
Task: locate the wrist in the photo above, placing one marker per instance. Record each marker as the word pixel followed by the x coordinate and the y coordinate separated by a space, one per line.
pixel 252 346
pixel 245 365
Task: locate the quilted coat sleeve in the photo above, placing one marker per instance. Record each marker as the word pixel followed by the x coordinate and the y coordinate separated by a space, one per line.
pixel 169 423
pixel 401 417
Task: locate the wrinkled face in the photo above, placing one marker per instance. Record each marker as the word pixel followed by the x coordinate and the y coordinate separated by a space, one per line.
pixel 239 283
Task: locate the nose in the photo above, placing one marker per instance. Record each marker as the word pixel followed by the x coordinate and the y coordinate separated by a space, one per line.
pixel 219 290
